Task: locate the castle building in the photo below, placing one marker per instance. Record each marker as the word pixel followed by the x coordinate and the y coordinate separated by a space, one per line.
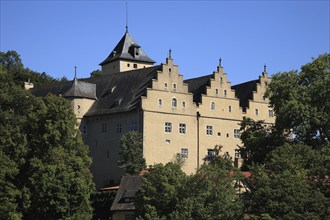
pixel 174 115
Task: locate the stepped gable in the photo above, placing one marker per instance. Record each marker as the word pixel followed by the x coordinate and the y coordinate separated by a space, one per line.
pixel 197 86
pixel 127 49
pixel 244 92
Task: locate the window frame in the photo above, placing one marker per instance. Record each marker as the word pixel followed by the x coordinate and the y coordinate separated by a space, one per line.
pixel 174 102
pixel 209 130
pixel 182 128
pixel 168 127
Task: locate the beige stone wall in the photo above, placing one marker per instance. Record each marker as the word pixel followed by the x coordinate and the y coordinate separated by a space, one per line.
pixel 103 138
pixel 122 66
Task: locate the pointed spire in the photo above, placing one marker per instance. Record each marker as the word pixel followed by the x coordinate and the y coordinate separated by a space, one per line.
pixel 170 53
pixel 265 70
pixel 75 72
pixel 126 18
pixel 220 60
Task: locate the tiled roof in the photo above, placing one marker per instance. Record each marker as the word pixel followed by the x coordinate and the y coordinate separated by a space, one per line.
pixel 81 89
pixel 118 92
pixel 244 92
pixel 197 86
pixel 125 50
pixel 124 200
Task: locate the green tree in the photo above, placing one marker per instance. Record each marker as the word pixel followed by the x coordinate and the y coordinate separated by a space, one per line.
pixel 301 101
pixel 258 141
pixel 159 194
pixel 44 163
pixel 131 153
pixel 96 73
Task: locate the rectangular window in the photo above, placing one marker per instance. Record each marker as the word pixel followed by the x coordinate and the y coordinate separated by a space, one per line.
pixel 183 104
pixel 135 65
pixel 128 65
pixel 216 92
pixel 168 127
pixel 165 85
pixel 182 128
pixel 174 86
pixel 133 126
pixel 225 93
pixel 257 112
pixel 160 102
pixel 209 130
pixel 104 128
pixel 270 113
pixel 118 128
pixel 184 152
pixel 237 153
pixel 229 108
pixel 210 154
pixel 236 133
pixel 167 141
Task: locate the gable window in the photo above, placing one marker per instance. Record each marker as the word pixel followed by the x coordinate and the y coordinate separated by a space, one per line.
pixel 209 129
pixel 183 104
pixel 160 102
pixel 270 113
pixel 216 92
pixel 165 85
pixel 220 79
pixel 212 106
pixel 257 112
pixel 168 127
pixel 229 108
pixel 104 128
pixel 135 65
pixel 236 133
pixel 118 128
pixel 174 86
pixel 225 93
pixel 184 152
pixel 182 128
pixel 174 103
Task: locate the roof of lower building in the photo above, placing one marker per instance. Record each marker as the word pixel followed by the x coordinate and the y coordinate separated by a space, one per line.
pixel 126 194
pixel 244 92
pixel 197 86
pixel 125 50
pixel 81 89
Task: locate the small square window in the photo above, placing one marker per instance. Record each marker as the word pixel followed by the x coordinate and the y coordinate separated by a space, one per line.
pixel 167 141
pixel 183 104
pixel 209 130
pixel 219 133
pixel 168 127
pixel 236 133
pixel 184 152
pixel 118 128
pixel 135 65
pixel 182 128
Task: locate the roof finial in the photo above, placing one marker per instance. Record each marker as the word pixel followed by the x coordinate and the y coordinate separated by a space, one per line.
pixel 75 72
pixel 170 53
pixel 126 18
pixel 220 60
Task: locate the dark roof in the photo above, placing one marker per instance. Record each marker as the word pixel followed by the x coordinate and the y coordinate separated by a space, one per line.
pixel 125 50
pixel 81 89
pixel 197 86
pixel 117 92
pixel 124 200
pixel 244 92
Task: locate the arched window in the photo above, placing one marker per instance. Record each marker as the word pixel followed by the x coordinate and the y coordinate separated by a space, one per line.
pixel 212 106
pixel 174 103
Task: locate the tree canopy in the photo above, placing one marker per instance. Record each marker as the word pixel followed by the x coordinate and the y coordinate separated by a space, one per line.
pixel 44 164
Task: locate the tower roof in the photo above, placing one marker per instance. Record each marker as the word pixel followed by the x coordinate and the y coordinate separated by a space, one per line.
pixel 81 89
pixel 127 49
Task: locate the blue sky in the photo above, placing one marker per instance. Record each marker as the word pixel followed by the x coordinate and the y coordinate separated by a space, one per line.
pixel 55 36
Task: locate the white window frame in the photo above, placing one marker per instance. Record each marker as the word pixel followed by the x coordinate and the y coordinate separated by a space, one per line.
pixel 184 152
pixel 182 128
pixel 174 102
pixel 237 133
pixel 209 130
pixel 168 127
pixel 212 106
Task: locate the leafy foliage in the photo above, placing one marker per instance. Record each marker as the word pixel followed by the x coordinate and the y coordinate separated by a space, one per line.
pixel 44 163
pixel 168 193
pixel 102 201
pixel 131 153
pixel 301 101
